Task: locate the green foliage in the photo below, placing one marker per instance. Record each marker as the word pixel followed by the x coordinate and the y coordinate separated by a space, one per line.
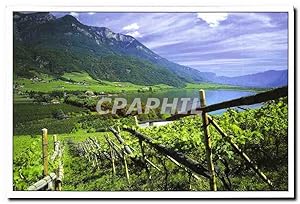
pixel 85 102
pixel 100 123
pixel 59 114
pixel 27 168
pixel 262 132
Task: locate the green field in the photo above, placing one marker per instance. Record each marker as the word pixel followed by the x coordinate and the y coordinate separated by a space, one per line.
pixel 76 81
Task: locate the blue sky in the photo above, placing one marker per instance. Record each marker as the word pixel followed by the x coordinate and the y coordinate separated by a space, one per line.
pixel 228 44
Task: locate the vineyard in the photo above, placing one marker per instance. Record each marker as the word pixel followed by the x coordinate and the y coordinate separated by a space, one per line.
pixel 235 151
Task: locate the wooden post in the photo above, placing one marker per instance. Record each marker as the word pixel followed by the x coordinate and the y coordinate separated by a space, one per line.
pixel 207 143
pixel 121 155
pixel 112 157
pixel 190 181
pixel 128 149
pixel 45 150
pixel 142 149
pixel 136 120
pixel 144 158
pixel 126 167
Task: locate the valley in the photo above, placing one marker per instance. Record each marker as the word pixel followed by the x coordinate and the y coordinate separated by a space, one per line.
pixel 62 68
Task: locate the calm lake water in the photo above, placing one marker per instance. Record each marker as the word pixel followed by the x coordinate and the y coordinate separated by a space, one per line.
pixel 212 96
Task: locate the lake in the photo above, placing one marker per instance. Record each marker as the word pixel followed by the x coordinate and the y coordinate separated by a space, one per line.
pixel 212 96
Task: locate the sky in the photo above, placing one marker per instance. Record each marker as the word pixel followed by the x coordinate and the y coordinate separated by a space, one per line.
pixel 228 44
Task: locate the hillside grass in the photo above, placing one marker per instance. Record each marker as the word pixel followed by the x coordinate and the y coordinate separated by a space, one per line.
pixel 76 81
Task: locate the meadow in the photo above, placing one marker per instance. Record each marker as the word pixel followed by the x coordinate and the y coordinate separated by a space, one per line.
pixel 76 81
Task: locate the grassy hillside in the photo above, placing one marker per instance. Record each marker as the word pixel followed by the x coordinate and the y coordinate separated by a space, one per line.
pixel 78 81
pixel 82 81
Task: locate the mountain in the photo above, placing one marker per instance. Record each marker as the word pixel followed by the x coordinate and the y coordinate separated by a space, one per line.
pixel 46 44
pixel 43 43
pixel 267 79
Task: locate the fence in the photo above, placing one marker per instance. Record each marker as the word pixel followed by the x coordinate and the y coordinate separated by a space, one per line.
pixel 207 120
pixel 51 181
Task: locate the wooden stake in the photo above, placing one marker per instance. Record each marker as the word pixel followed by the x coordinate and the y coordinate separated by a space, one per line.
pixel 54 141
pixel 190 181
pixel 112 157
pixel 207 143
pixel 136 120
pixel 142 149
pixel 128 149
pixel 178 156
pixel 126 168
pixel 45 150
pixel 144 158
pixel 121 155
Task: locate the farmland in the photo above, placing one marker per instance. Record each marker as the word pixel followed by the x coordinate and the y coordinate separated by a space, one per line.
pixel 254 131
pixel 75 81
pixel 78 82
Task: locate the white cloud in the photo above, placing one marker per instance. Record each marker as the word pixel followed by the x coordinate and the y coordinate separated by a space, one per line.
pixel 254 17
pixel 135 34
pixel 74 14
pixel 213 19
pixel 132 30
pixel 91 13
pixel 159 44
pixel 133 26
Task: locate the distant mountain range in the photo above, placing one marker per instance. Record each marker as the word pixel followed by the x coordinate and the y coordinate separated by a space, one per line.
pixel 46 44
pixel 265 79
